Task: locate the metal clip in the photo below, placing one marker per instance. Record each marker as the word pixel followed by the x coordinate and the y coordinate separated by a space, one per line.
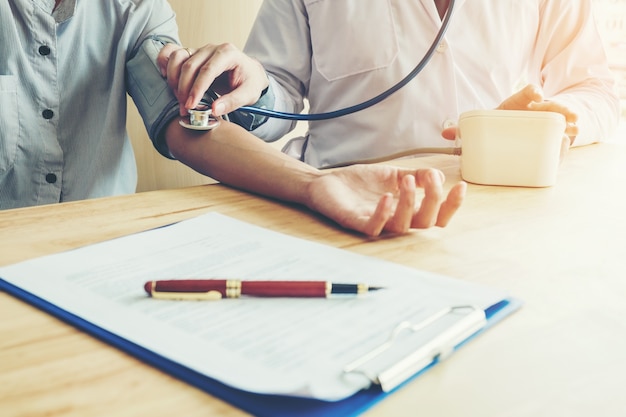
pixel 436 349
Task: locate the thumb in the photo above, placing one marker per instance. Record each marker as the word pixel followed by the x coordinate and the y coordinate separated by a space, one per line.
pixel 449 133
pixel 228 103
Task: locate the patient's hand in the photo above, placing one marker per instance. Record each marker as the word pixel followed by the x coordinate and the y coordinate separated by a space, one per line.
pixel 376 198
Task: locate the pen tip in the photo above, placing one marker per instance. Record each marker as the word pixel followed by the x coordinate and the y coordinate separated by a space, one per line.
pixel 375 288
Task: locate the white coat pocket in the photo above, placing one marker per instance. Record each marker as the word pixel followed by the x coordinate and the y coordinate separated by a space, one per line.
pixel 350 37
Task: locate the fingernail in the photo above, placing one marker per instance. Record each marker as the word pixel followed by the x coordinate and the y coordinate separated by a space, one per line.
pixel 463 189
pixel 189 103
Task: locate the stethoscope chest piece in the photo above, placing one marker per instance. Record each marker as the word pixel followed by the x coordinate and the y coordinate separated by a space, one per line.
pixel 200 118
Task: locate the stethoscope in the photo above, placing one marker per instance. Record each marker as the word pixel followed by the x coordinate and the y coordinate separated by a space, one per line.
pixel 369 103
pixel 201 119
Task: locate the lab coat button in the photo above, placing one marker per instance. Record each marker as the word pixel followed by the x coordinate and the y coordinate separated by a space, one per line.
pixel 442 47
pixel 448 123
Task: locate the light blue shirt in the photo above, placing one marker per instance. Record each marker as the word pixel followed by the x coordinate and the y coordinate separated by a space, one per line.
pixel 64 76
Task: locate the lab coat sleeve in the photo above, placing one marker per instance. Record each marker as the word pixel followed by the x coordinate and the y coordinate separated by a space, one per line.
pixel 280 40
pixel 574 68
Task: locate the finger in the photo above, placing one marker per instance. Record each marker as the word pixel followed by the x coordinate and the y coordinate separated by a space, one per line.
pixel 195 80
pixel 175 60
pixel 449 133
pixel 376 223
pixel 556 107
pixel 571 117
pixel 164 56
pixel 176 67
pixel 233 100
pixel 523 98
pixel 572 130
pixel 432 182
pixel 451 205
pixel 401 220
pixel 224 59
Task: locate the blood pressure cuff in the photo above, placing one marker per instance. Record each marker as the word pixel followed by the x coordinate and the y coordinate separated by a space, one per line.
pixel 156 103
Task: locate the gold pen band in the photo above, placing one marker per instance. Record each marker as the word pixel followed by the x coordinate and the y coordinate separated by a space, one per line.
pixel 233 288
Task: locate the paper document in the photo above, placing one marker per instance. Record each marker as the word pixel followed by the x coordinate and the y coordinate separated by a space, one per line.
pixel 287 346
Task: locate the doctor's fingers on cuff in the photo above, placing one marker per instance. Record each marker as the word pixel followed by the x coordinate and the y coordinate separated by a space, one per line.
pixel 176 70
pixel 164 56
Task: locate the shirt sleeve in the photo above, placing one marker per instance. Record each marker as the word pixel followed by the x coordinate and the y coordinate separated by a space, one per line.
pixel 574 68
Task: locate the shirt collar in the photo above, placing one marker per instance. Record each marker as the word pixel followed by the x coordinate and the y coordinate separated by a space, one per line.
pixel 64 11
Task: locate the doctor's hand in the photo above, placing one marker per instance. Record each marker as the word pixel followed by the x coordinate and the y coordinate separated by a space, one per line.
pixel 531 98
pixel 376 198
pixel 236 77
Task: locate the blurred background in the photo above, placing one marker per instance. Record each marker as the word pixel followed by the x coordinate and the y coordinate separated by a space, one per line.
pixel 202 21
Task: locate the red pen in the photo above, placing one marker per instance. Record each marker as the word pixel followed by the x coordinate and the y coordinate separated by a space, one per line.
pixel 215 289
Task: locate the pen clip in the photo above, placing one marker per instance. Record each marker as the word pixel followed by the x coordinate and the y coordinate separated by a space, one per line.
pixel 435 349
pixel 198 296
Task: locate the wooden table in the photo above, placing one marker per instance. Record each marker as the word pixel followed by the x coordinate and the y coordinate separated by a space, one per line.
pixel 562 250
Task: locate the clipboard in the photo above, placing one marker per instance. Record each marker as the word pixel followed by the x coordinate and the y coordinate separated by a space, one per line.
pixel 384 376
pixel 383 384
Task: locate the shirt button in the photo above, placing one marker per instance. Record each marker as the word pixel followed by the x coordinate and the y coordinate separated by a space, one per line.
pixel 51 178
pixel 448 123
pixel 44 50
pixel 47 114
pixel 442 47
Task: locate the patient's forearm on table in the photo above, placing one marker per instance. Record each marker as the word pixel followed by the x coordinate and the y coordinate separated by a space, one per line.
pixel 234 156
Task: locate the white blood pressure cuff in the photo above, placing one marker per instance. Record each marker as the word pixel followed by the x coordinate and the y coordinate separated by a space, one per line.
pixel 156 103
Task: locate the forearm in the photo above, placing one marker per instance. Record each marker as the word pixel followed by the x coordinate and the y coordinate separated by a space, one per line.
pixel 235 157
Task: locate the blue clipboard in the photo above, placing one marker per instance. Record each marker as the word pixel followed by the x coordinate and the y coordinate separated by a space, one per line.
pixel 257 404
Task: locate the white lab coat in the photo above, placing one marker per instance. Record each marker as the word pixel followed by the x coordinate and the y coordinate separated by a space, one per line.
pixel 354 50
